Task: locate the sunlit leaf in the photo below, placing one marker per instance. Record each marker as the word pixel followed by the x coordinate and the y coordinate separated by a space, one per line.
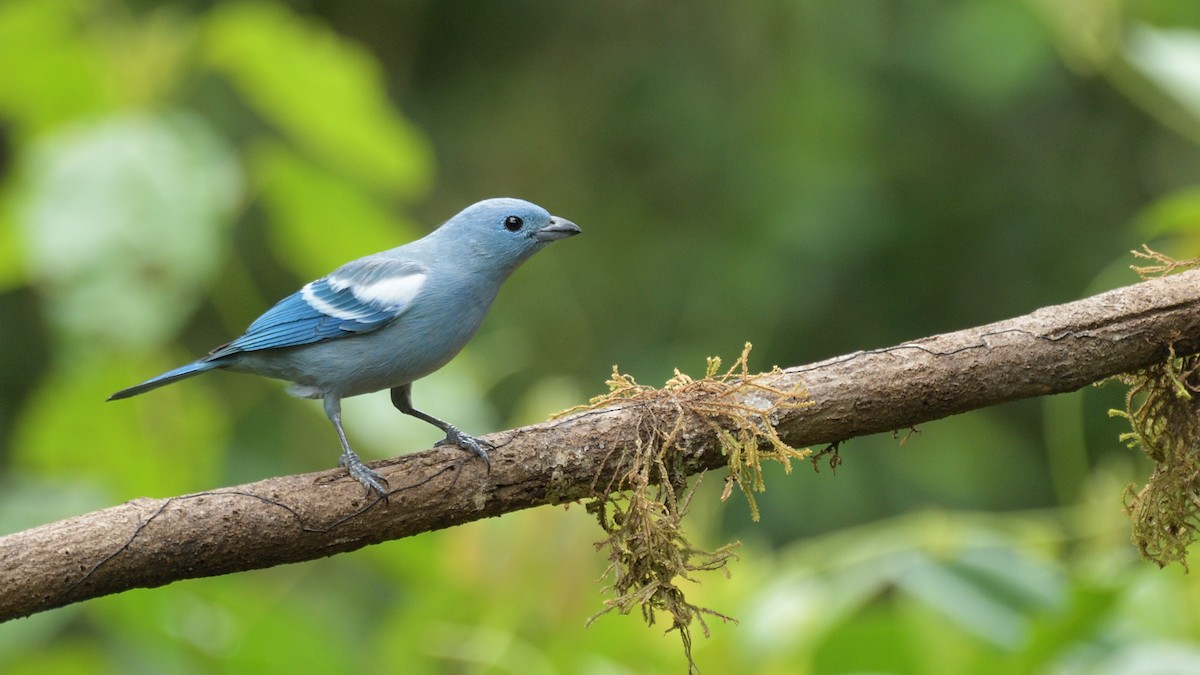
pixel 843 650
pixel 149 55
pixel 12 263
pixel 49 74
pixel 1175 214
pixel 988 597
pixel 256 622
pixel 325 92
pixel 65 657
pixel 318 219
pixel 1086 611
pixel 1171 58
pixel 125 221
pixel 158 445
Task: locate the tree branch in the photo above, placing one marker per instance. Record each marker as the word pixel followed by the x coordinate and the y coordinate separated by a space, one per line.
pixel 152 542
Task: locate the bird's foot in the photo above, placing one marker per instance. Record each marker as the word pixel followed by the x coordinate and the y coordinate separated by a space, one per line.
pixel 467 442
pixel 364 474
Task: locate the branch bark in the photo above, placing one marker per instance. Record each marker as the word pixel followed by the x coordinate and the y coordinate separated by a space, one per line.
pixel 151 542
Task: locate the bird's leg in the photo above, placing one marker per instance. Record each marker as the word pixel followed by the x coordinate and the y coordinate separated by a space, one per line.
pixel 370 479
pixel 402 399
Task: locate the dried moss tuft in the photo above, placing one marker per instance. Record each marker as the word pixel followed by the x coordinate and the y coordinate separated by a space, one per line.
pixel 1164 417
pixel 641 510
pixel 1163 264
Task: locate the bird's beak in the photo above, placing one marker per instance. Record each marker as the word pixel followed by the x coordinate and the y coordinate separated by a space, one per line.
pixel 559 228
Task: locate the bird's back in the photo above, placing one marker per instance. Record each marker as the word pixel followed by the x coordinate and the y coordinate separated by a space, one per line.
pixel 447 312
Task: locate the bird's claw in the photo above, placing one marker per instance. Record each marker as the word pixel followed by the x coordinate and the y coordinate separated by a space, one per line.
pixel 370 479
pixel 468 442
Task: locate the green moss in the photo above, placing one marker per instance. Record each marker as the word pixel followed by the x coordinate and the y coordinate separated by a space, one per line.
pixel 1161 407
pixel 1164 418
pixel 641 510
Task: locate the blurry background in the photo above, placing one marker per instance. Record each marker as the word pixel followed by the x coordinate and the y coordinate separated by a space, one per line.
pixel 812 177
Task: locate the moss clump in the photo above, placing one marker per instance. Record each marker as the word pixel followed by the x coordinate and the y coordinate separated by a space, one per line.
pixel 1164 416
pixel 641 509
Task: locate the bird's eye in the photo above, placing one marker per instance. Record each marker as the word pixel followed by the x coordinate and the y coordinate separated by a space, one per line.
pixel 513 223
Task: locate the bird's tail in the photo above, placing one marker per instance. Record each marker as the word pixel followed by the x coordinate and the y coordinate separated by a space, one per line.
pixel 166 378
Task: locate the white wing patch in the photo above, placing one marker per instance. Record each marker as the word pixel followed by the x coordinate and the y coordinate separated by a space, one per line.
pixel 392 291
pixel 329 310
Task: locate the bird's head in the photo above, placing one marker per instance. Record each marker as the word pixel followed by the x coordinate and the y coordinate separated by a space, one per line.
pixel 507 231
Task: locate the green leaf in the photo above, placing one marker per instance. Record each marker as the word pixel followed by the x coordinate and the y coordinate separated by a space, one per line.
pixel 1175 214
pixel 318 219
pixel 842 651
pixel 326 93
pixel 159 445
pixel 990 592
pixel 1167 57
pixel 12 265
pixel 124 221
pixel 1054 634
pixel 63 657
pixel 50 73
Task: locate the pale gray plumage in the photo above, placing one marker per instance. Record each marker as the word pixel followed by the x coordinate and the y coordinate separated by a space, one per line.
pixel 386 320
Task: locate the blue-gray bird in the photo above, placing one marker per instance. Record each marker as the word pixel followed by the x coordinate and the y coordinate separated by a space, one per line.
pixel 386 320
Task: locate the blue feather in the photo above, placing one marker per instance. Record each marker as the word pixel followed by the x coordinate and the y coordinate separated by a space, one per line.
pixel 194 368
pixel 325 309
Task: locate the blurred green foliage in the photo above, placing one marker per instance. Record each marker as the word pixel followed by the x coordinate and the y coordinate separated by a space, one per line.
pixel 813 177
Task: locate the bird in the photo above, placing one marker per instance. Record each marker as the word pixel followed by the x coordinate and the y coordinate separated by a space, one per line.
pixel 386 320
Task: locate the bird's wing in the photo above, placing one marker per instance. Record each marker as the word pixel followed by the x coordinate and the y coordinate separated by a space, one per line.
pixel 357 298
